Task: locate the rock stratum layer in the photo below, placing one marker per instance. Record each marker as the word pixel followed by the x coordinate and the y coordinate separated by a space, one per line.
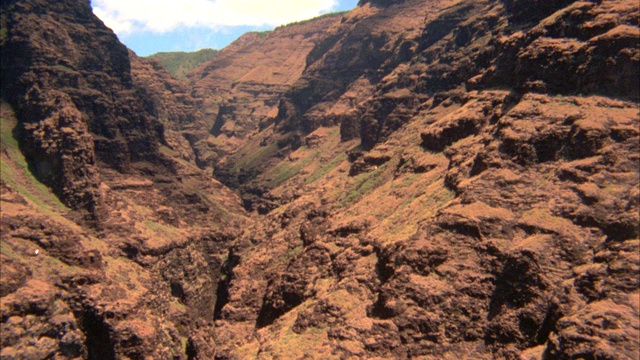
pixel 453 179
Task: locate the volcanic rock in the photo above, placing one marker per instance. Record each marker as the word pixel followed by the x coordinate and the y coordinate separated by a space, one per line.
pixel 454 179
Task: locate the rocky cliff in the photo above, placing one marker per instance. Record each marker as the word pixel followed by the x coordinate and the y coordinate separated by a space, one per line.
pixel 119 256
pixel 69 79
pixel 427 185
pixel 452 179
pixel 242 85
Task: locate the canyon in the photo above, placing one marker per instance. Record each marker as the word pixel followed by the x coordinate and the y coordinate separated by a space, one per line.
pixel 410 179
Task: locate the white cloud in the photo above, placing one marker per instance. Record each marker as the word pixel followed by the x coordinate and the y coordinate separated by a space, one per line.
pixel 128 16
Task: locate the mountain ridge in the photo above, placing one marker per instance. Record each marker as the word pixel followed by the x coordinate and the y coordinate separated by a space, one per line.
pixel 180 63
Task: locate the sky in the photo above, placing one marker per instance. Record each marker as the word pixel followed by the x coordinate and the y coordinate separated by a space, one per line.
pixel 151 26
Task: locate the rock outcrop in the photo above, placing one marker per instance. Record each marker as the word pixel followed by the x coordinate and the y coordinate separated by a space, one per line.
pixel 452 179
pixel 456 187
pixel 242 85
pixel 68 77
pixel 123 259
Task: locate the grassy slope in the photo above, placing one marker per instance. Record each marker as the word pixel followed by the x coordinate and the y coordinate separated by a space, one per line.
pixel 40 204
pixel 181 63
pixel 15 172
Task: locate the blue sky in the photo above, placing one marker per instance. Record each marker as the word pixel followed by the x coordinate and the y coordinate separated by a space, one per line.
pixel 151 26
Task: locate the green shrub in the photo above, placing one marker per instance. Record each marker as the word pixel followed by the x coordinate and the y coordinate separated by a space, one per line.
pixel 180 63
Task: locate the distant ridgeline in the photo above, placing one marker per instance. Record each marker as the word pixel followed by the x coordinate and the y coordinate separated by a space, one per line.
pixel 181 63
pixel 302 22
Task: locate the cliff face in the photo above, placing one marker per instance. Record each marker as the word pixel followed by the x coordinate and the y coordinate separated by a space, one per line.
pixel 242 85
pixel 454 179
pixel 122 259
pixel 447 180
pixel 69 79
pixel 177 110
pixel 473 45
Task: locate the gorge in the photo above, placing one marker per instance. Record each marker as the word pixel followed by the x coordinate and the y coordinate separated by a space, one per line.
pixel 411 179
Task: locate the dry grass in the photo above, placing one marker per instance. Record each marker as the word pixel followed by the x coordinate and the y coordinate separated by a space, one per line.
pixel 285 344
pixel 541 219
pixel 158 235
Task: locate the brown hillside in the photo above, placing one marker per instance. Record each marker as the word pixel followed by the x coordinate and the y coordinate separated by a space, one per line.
pixel 242 85
pixel 458 187
pixel 122 259
pixel 424 180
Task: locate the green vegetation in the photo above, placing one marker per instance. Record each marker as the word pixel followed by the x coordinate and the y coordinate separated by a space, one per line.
pixel 3 28
pixel 404 219
pixel 14 169
pixel 365 183
pixel 261 34
pixel 251 161
pixel 8 251
pixel 290 254
pixel 285 171
pixel 183 342
pixel 162 230
pixel 64 69
pixel 181 63
pixel 327 168
pixel 289 344
pixel 3 35
pixel 302 22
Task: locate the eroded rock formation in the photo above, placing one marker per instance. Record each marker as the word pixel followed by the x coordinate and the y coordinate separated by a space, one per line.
pixel 453 179
pixel 122 260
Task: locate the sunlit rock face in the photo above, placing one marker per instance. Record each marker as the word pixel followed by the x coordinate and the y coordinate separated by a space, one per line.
pixel 411 179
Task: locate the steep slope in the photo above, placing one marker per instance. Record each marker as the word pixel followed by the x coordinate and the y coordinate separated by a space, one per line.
pixel 451 179
pixel 341 72
pixel 178 111
pixel 122 258
pixel 45 60
pixel 241 86
pixel 464 187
